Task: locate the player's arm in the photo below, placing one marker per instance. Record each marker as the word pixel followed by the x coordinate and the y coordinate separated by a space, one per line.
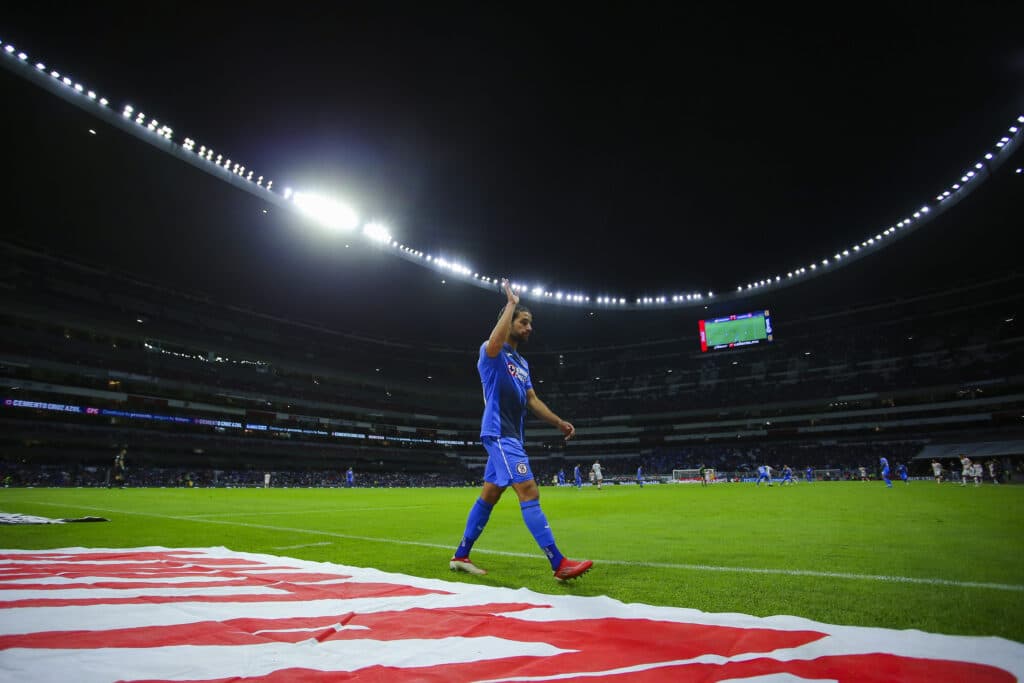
pixel 499 335
pixel 541 410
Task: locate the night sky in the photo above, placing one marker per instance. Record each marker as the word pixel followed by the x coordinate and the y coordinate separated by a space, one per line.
pixel 637 153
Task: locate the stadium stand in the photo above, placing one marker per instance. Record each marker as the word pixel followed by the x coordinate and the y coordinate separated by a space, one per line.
pixel 90 359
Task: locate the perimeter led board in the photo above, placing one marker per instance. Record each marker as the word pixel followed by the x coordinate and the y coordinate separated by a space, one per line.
pixel 744 329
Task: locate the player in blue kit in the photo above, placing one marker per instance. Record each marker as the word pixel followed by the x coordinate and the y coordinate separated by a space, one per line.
pixel 577 478
pixel 809 474
pixel 764 473
pixel 561 477
pixel 901 470
pixel 640 476
pixel 885 471
pixel 787 476
pixel 350 478
pixel 508 394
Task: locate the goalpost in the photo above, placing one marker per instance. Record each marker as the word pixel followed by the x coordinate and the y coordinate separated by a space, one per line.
pixel 828 475
pixel 692 476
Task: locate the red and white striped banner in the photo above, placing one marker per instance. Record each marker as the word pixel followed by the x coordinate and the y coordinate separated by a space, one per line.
pixel 210 614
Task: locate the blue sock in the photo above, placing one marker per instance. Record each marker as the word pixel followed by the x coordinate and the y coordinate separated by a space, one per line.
pixel 537 523
pixel 478 516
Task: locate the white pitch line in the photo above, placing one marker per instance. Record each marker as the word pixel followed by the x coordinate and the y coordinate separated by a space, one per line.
pixel 624 563
pixel 304 545
pixel 303 512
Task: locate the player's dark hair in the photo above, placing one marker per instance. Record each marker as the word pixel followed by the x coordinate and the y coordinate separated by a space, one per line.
pixel 520 309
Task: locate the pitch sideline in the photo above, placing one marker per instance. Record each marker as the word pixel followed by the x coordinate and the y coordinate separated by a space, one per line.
pixel 625 563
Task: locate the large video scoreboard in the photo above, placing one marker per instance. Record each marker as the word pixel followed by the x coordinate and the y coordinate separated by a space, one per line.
pixel 742 329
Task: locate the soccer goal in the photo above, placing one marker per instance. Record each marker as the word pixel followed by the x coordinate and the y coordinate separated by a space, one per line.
pixel 692 476
pixel 828 475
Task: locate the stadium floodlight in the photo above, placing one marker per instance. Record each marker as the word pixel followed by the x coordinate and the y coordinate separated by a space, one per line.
pixel 378 232
pixel 341 217
pixel 326 211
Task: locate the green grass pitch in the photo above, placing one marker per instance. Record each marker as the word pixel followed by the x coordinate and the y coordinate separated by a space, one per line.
pixel 743 329
pixel 944 559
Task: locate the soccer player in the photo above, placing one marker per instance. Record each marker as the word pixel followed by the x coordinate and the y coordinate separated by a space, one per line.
pixel 787 475
pixel 350 478
pixel 577 477
pixel 119 467
pixel 640 476
pixel 901 470
pixel 809 474
pixel 596 469
pixel 764 473
pixel 508 394
pixel 966 468
pixel 937 471
pixel 700 475
pixel 885 471
pixel 992 471
pixel 561 476
pixel 977 473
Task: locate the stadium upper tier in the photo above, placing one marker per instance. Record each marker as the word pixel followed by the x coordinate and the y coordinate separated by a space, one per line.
pixel 904 367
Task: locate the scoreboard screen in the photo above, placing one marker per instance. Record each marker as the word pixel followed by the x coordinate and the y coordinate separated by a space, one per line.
pixel 744 329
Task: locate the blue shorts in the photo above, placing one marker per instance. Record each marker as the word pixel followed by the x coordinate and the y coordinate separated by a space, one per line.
pixel 506 461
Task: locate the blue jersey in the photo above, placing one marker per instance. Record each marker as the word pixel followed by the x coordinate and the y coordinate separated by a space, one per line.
pixel 349 476
pixel 885 464
pixel 505 379
pixel 810 473
pixel 787 473
pixel 639 472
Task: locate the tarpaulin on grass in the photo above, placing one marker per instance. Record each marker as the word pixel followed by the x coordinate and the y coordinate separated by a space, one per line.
pixel 210 614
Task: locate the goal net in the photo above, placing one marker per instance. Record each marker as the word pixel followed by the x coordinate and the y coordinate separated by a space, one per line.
pixel 693 475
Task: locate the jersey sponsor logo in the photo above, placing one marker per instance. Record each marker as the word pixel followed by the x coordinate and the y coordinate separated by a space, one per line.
pixel 159 614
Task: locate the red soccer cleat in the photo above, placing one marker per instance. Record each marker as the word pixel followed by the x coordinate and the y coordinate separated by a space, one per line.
pixel 463 564
pixel 570 569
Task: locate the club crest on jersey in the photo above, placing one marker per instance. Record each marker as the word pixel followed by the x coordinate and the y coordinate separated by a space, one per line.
pixel 516 371
pixel 521 468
